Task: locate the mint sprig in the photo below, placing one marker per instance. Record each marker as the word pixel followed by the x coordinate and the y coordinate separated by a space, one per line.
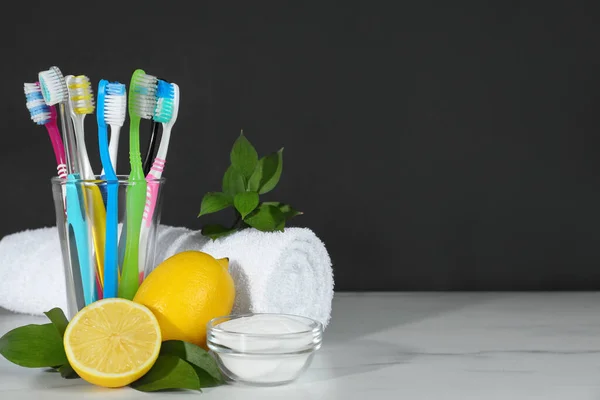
pixel 180 365
pixel 245 202
pixel 245 180
pixel 244 157
pixel 215 201
pixel 267 173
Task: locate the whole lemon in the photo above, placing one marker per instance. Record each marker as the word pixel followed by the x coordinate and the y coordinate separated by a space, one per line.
pixel 185 292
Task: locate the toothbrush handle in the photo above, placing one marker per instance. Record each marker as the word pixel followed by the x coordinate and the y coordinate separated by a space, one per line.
pixel 59 152
pixel 129 284
pixel 111 188
pixel 96 210
pixel 84 161
pixel 61 170
pixel 111 267
pixel 97 215
pixel 76 219
pixel 69 139
pixel 135 200
pixel 121 246
pixel 103 189
pixel 59 148
pixel 113 146
pixel 151 148
pixel 152 193
pixel 113 150
pixel 151 197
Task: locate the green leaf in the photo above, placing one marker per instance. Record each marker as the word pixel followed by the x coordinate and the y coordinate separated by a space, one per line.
pixel 67 372
pixel 281 226
pixel 205 366
pixel 233 182
pixel 265 218
pixel 168 372
pixel 267 173
pixel 287 210
pixel 245 202
pixel 33 346
pixel 213 202
pixel 216 231
pixel 59 320
pixel 243 156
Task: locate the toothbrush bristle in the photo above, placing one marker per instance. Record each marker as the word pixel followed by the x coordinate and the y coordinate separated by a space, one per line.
pixel 40 112
pixel 142 94
pixel 164 105
pixel 81 94
pixel 115 104
pixel 53 85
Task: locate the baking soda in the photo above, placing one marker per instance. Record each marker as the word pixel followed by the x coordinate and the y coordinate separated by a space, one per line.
pixel 279 355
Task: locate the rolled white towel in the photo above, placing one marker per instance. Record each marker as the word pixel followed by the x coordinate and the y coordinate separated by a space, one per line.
pixel 284 272
pixel 275 272
pixel 32 278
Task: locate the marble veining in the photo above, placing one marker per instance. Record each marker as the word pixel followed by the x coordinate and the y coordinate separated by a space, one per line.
pixel 409 346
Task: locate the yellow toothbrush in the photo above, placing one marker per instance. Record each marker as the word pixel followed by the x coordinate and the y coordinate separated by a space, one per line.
pixel 81 100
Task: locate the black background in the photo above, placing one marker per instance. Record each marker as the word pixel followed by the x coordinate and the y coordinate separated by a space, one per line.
pixel 433 145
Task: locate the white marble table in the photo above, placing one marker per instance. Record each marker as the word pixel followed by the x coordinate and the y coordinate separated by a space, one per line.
pixel 409 346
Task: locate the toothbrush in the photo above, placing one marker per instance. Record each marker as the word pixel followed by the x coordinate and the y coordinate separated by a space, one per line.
pixel 151 147
pixel 142 103
pixel 43 114
pixel 112 103
pixel 115 130
pixel 167 107
pixel 55 91
pixel 81 101
pixel 113 148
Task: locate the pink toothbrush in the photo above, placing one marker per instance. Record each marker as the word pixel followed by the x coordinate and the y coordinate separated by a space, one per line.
pixel 42 114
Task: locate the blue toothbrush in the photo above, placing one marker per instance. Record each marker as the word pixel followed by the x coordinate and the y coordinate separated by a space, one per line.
pixel 112 104
pixel 55 91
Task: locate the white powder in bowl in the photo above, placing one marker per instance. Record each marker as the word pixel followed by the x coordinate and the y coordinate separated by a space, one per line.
pixel 265 324
pixel 266 348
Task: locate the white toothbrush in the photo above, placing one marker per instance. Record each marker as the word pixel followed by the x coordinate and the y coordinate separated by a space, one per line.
pixel 115 115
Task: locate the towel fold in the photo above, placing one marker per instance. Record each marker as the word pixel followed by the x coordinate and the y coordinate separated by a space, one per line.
pixel 277 272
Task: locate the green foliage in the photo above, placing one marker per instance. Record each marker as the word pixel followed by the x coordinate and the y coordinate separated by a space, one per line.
pixel 245 180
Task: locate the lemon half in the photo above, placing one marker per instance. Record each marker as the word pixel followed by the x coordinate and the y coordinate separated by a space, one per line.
pixel 112 342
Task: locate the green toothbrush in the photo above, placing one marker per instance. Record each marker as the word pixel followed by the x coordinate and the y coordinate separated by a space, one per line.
pixel 142 103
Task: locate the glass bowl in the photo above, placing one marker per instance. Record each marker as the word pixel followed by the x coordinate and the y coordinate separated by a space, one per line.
pixel 263 349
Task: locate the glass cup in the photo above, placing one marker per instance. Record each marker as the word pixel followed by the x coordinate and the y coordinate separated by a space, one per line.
pixel 106 229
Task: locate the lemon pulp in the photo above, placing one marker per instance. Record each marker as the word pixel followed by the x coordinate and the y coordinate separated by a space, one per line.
pixel 112 342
